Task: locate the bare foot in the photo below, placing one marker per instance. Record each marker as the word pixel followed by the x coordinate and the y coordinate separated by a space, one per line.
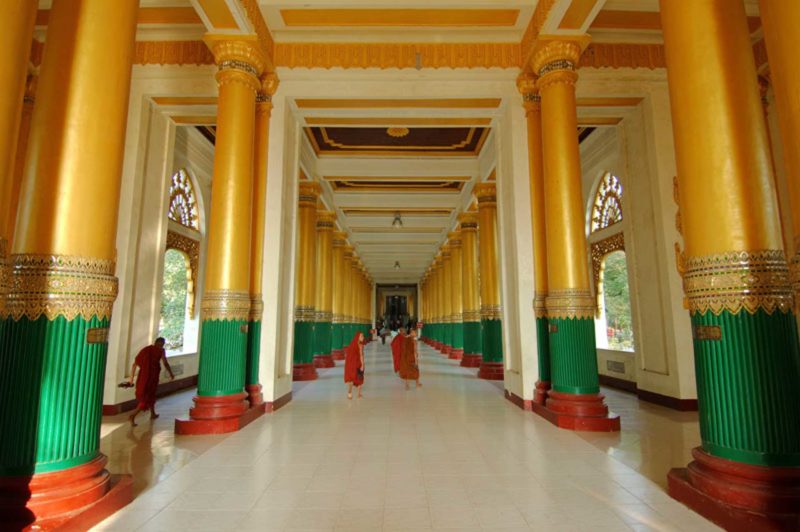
pixel 419 384
pixel 349 395
pixel 360 396
pixel 154 416
pixel 131 419
pixel 407 385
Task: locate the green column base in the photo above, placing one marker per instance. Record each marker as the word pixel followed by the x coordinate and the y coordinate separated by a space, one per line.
pixel 51 393
pixel 573 355
pixel 543 349
pixel 223 348
pixel 748 386
pixel 336 337
pixel 457 335
pixel 322 338
pixel 303 342
pixel 492 335
pixel 473 338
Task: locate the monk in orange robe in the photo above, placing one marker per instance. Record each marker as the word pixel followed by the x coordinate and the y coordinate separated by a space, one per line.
pixel 354 365
pixel 149 362
pixel 409 359
pixel 397 348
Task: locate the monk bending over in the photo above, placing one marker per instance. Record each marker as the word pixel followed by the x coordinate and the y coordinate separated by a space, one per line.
pixel 149 362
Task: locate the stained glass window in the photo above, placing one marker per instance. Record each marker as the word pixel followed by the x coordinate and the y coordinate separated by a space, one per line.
pixel 607 208
pixel 182 203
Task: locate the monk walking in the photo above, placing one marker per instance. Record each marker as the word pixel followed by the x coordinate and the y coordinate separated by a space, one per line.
pixel 354 365
pixel 149 362
pixel 409 359
pixel 397 348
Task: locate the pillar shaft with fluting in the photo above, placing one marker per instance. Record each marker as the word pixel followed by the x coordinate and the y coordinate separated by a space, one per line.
pixel 226 303
pixel 260 158
pixel 569 302
pixel 456 295
pixel 324 289
pixel 305 296
pixel 471 300
pixel 54 327
pixel 735 270
pixel 531 101
pixel 339 243
pixel 491 310
pixel 447 298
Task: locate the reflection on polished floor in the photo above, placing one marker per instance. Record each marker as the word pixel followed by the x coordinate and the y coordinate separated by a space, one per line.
pixel 451 455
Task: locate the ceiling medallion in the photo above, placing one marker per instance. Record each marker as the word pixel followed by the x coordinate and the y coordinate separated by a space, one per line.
pixel 397 132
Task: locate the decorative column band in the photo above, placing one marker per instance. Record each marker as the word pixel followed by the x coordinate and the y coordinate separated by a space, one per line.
pixel 256 308
pixel 738 280
pixel 539 305
pixel 491 199
pixel 471 316
pixel 304 314
pixel 321 315
pixel 469 225
pixel 59 285
pixel 338 318
pixel 233 64
pixel 570 304
pixel 534 97
pixel 554 66
pixel 491 312
pixel 327 224
pixel 225 305
pixel 263 97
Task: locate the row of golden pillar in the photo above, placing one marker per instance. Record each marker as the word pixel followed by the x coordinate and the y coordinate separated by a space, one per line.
pixel 333 288
pixel 461 291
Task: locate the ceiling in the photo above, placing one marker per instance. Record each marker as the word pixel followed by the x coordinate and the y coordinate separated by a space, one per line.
pixel 397 141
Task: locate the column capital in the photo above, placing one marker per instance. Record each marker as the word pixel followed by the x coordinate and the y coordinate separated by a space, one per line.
pixel 309 193
pixel 454 239
pixel 325 221
pixel 269 85
pixel 486 193
pixel 527 86
pixel 237 52
pixel 558 53
pixel 339 239
pixel 468 221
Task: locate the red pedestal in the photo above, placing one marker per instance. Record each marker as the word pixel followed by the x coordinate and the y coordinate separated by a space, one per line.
pixel 304 372
pixel 540 392
pixel 737 496
pixel 324 361
pixel 218 415
pixel 73 499
pixel 456 354
pixel 471 360
pixel 337 354
pixel 254 395
pixel 445 350
pixel 578 412
pixel 491 371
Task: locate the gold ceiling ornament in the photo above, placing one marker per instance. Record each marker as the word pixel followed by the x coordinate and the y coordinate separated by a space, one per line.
pixel 397 132
pixel 738 280
pixel 60 285
pixel 225 305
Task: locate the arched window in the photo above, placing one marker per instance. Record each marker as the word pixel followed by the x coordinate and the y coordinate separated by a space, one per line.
pixel 175 299
pixel 607 206
pixel 182 202
pixel 615 327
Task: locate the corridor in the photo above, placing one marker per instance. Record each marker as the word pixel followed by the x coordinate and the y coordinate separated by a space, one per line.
pixel 451 455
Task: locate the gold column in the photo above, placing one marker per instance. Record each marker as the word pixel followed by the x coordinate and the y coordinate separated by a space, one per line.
pixel 348 278
pixel 456 296
pixel 441 318
pixel 780 20
pixel 324 289
pixel 447 298
pixel 305 297
pixel 269 83
pixel 337 341
pixel 18 18
pixel 492 364
pixel 533 115
pixel 473 338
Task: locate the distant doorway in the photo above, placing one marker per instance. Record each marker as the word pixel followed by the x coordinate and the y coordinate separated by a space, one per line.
pixel 396 306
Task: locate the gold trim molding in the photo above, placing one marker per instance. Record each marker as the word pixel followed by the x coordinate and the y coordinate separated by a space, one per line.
pixel 256 308
pixel 600 249
pixel 570 304
pixel 491 312
pixel 738 280
pixel 305 314
pixel 539 304
pixel 397 55
pixel 172 53
pixel 60 285
pixel 225 305
pixel 471 316
pixel 623 55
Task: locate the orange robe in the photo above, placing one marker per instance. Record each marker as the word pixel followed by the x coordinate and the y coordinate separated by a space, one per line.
pixel 149 362
pixel 409 370
pixel 397 347
pixel 352 363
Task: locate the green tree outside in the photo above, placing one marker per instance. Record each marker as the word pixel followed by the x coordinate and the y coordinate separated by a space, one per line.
pixel 617 302
pixel 173 299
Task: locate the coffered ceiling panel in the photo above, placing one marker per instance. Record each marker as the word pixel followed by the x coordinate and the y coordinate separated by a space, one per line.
pixel 394 141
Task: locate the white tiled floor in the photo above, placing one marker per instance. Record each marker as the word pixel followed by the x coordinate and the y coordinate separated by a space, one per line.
pixel 451 455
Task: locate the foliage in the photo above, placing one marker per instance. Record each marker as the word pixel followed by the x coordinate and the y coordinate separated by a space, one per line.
pixel 173 299
pixel 617 302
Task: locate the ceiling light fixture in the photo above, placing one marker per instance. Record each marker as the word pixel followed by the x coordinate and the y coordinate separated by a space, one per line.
pixel 397 223
pixel 397 265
